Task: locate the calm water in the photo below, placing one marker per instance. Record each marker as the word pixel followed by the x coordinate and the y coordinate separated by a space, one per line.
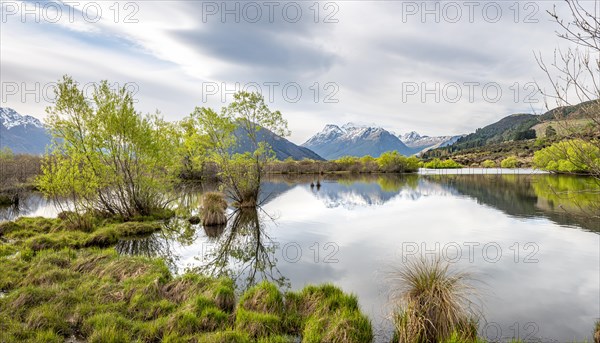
pixel 533 249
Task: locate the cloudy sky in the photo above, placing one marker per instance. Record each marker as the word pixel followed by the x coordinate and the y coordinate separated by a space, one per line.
pixel 438 68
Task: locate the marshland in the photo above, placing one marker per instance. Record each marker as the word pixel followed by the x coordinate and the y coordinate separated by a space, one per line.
pixel 351 232
pixel 212 227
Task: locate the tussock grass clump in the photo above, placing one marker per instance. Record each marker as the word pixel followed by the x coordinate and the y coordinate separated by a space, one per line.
pixel 597 332
pixel 259 311
pixel 264 298
pixel 326 314
pixel 434 303
pixel 101 296
pixel 213 209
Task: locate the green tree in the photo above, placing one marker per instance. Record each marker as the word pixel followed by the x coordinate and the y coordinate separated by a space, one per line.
pixel 218 133
pixel 572 156
pixel 6 153
pixel 436 163
pixel 106 156
pixel 510 162
pixel 550 131
pixel 488 164
pixel 574 75
pixel 393 162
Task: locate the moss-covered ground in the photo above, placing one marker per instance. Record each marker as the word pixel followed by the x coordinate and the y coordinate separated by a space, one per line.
pixel 59 282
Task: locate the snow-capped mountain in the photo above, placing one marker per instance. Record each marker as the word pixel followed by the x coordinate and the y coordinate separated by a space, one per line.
pixel 9 118
pixel 409 137
pixel 354 140
pixel 23 134
pixel 423 143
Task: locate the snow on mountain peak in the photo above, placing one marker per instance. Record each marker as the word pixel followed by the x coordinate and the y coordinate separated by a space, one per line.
pixel 353 126
pixel 410 137
pixel 9 118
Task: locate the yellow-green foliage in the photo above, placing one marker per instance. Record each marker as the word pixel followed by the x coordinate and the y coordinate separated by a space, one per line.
pixel 488 164
pixel 436 163
pixel 105 155
pixel 572 156
pixel 510 162
pixel 392 161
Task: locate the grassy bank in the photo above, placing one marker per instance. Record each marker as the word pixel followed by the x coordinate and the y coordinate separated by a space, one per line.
pixel 57 284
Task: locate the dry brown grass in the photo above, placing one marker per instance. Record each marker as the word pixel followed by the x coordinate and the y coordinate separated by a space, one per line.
pixel 433 302
pixel 213 209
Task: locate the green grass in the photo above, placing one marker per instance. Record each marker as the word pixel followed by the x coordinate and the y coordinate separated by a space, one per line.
pixel 53 293
pixel 45 233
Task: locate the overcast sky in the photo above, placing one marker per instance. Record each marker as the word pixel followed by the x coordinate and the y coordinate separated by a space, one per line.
pixel 432 67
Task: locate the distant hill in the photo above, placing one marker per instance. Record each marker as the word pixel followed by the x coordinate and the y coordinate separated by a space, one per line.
pixel 516 135
pixel 354 140
pixel 23 134
pixel 571 112
pixel 513 127
pixel 281 146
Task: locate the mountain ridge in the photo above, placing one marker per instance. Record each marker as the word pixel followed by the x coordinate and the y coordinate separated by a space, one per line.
pixel 23 134
pixel 333 141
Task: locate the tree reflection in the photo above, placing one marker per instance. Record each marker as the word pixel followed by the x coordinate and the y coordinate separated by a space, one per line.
pixel 27 202
pixel 243 251
pixel 566 200
pixel 161 244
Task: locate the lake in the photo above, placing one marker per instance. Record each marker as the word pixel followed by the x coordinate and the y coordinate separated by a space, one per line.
pixel 533 250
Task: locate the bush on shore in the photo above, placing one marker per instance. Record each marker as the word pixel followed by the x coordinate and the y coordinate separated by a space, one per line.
pixel 436 163
pixel 388 162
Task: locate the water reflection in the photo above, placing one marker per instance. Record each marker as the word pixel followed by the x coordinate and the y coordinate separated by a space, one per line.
pixel 566 200
pixel 242 250
pixel 176 232
pixel 31 204
pixel 370 217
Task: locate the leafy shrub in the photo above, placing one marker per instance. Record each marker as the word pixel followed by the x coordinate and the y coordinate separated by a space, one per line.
pixel 488 164
pixel 510 162
pixel 572 156
pixel 436 163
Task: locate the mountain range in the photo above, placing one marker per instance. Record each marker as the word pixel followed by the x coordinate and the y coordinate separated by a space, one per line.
pixel 25 134
pixel 421 144
pixel 22 134
pixel 354 140
pixel 359 140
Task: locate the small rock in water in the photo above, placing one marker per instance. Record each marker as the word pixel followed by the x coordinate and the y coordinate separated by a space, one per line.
pixel 194 220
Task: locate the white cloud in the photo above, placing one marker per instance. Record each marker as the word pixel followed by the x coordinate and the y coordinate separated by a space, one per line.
pixel 371 53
